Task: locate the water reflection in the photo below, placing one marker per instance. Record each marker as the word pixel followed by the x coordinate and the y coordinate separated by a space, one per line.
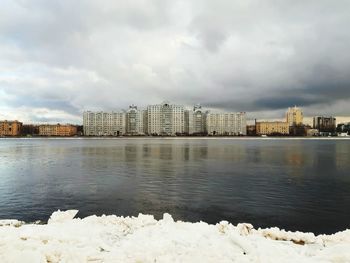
pixel 342 156
pixel 297 184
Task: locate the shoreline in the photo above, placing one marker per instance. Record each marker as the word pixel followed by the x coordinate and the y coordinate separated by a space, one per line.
pixel 144 239
pixel 180 138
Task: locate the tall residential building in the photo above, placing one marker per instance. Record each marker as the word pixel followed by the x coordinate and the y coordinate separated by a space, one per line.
pixel 145 121
pixel 195 121
pixel 165 119
pixel 272 128
pixel 294 116
pixel 104 123
pixel 135 121
pixel 226 123
pixel 57 130
pixel 324 124
pixel 10 128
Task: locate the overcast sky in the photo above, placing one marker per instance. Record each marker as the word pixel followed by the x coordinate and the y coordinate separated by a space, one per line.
pixel 59 58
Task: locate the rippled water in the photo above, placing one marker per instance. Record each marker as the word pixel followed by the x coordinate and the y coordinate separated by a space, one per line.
pixel 294 184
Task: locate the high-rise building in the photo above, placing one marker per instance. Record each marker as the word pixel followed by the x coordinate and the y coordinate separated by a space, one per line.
pixel 272 128
pixel 226 123
pixel 324 124
pixel 195 121
pixel 165 119
pixel 10 128
pixel 135 121
pixel 294 116
pixel 104 123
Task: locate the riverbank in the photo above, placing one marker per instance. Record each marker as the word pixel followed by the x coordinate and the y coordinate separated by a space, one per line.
pixel 144 239
pixel 182 137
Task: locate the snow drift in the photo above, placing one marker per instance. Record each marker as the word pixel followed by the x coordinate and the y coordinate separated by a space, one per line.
pixel 144 239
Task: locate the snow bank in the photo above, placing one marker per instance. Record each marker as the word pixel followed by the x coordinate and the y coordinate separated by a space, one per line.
pixel 144 239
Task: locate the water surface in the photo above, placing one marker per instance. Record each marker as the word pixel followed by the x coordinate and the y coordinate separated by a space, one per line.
pixel 293 184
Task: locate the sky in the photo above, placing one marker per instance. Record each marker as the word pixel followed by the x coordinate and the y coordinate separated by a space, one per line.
pixel 59 58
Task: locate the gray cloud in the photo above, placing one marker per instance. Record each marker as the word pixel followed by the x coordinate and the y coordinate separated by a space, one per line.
pixel 58 58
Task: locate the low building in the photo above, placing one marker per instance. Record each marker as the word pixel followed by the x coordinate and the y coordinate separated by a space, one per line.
pixel 10 128
pixel 57 130
pixel 343 128
pixel 312 132
pixel 227 124
pixel 272 128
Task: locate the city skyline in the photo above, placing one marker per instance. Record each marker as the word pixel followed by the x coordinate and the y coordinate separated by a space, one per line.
pixel 58 59
pixel 167 119
pixel 307 118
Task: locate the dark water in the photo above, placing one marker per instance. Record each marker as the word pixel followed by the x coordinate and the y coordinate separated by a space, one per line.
pixel 293 184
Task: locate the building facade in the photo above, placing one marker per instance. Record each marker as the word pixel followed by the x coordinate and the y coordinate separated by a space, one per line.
pixel 226 123
pixel 135 121
pixel 165 119
pixel 294 116
pixel 272 128
pixel 57 130
pixel 195 121
pixel 10 128
pixel 104 123
pixel 324 124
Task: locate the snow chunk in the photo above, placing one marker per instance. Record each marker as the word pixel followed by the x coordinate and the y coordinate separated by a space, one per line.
pixel 245 229
pixel 62 216
pixel 144 239
pixel 297 237
pixel 11 222
pixel 167 218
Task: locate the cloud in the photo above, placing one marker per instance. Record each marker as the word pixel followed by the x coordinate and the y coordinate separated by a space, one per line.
pixel 260 57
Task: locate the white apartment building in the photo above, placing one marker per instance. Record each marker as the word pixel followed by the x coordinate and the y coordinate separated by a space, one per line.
pixel 104 123
pixel 227 123
pixel 195 121
pixel 165 119
pixel 135 121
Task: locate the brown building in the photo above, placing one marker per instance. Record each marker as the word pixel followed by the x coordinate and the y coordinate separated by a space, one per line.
pixel 10 128
pixel 272 128
pixel 57 130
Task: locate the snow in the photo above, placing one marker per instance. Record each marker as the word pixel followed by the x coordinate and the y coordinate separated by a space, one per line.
pixel 144 239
